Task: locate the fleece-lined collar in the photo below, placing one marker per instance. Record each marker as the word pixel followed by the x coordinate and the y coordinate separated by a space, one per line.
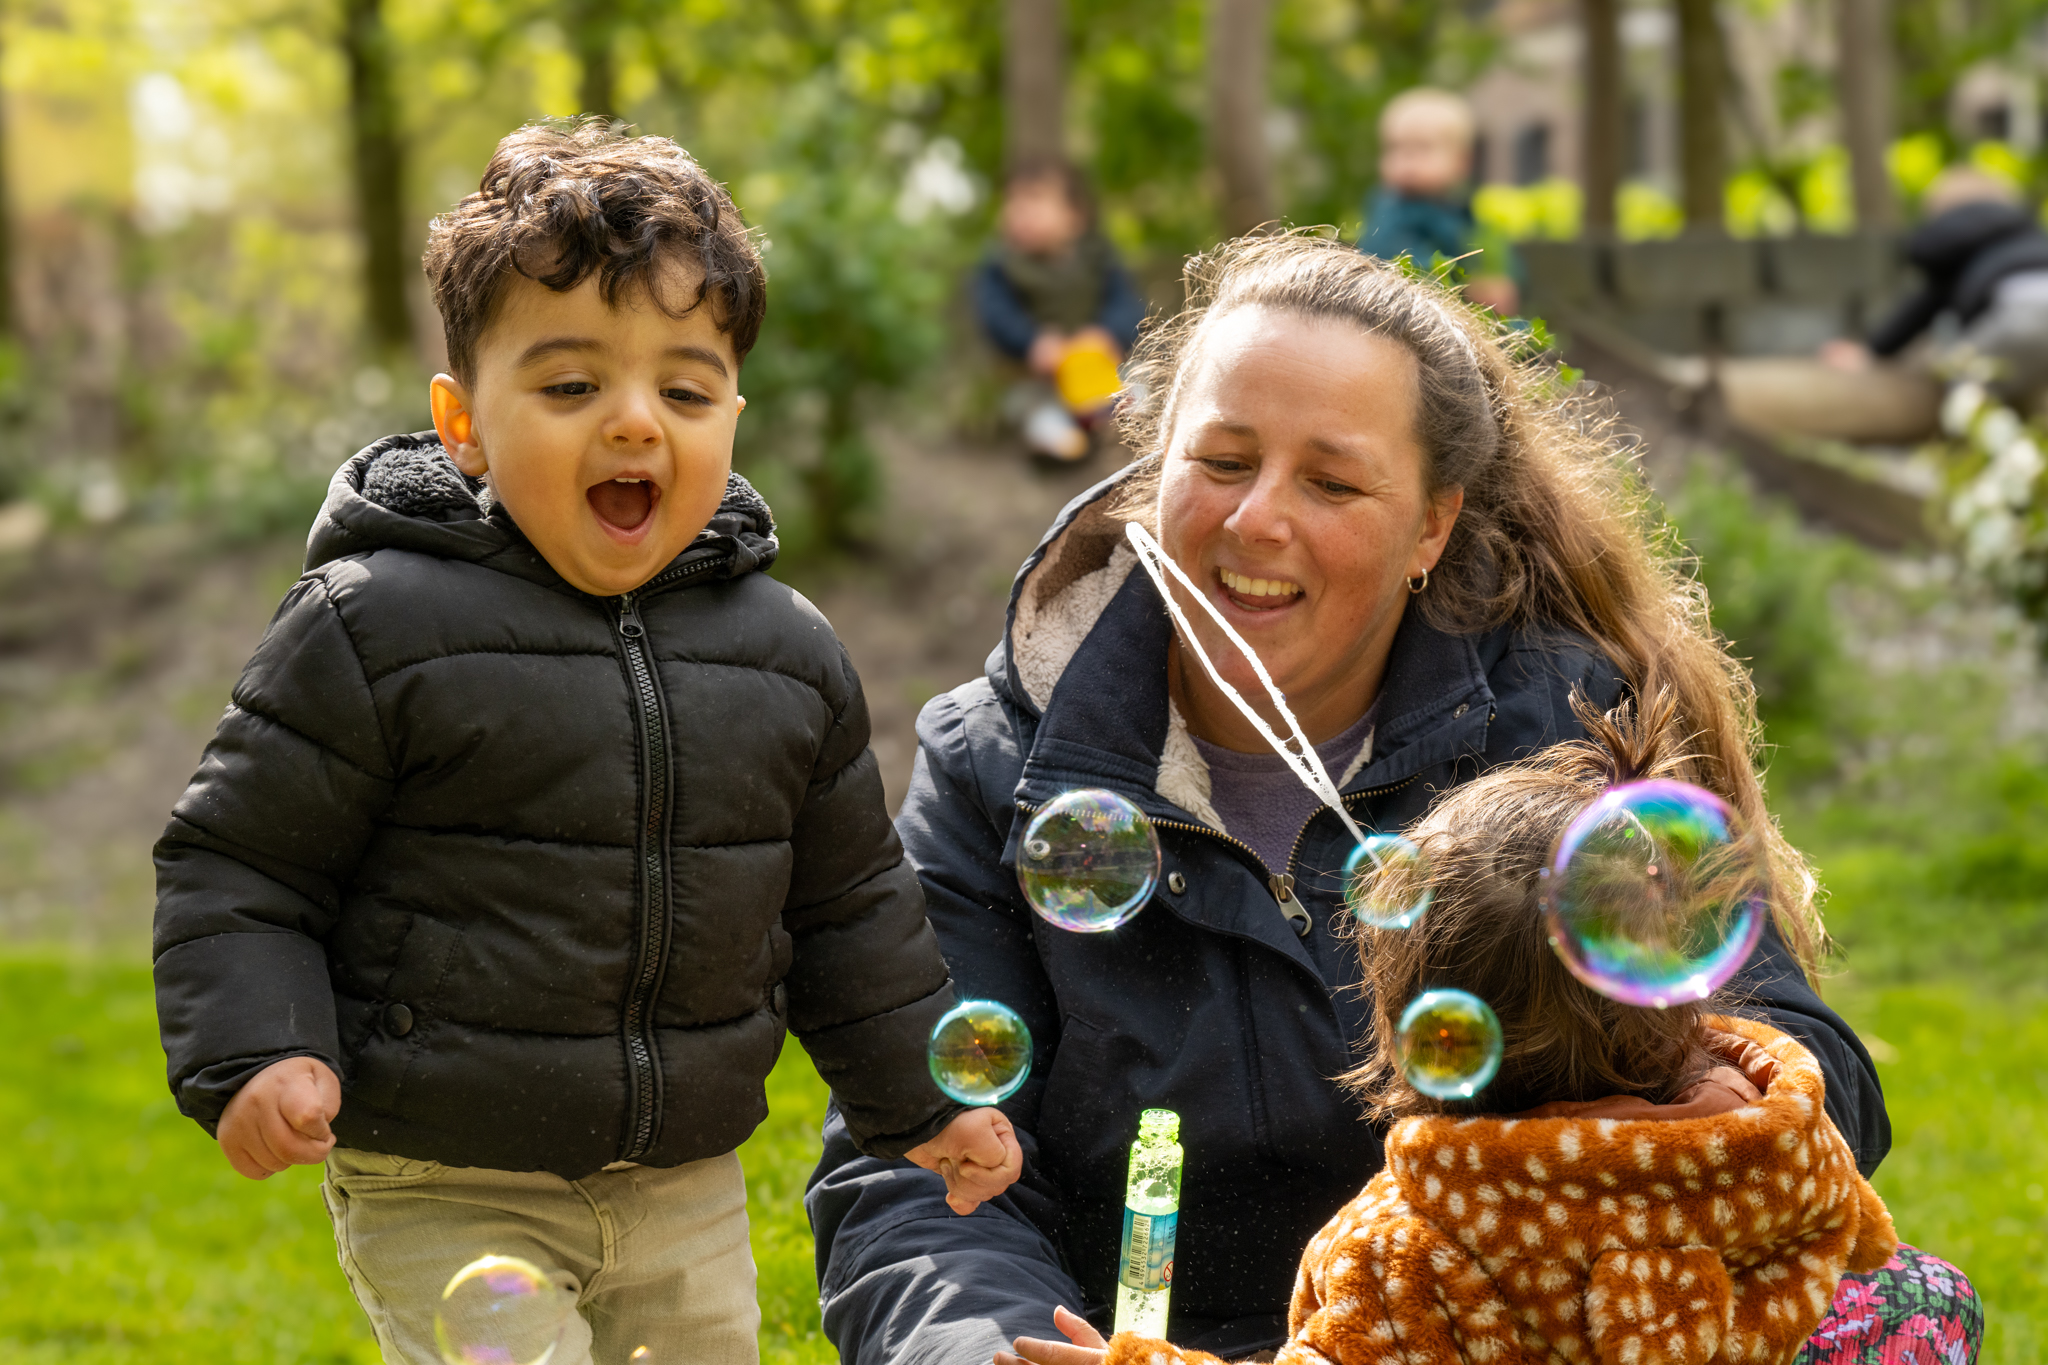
pixel 1086 653
pixel 403 492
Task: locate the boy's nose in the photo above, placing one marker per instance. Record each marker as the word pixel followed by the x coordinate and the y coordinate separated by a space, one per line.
pixel 631 423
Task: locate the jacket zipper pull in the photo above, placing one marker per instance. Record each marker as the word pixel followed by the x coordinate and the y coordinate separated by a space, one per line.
pixel 1282 886
pixel 629 618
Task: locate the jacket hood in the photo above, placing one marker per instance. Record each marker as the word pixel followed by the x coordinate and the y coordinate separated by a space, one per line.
pixel 404 493
pixel 1077 610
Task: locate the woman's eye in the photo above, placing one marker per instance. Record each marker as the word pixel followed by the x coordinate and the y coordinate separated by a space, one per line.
pixel 1335 489
pixel 1226 464
pixel 574 388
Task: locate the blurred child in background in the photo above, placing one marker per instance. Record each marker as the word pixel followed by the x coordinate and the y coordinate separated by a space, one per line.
pixel 1052 295
pixel 1422 207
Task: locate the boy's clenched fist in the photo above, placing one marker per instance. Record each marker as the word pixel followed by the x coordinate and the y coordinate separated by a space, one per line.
pixel 279 1119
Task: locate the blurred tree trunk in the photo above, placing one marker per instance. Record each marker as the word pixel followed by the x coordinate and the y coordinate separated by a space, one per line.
pixel 1702 133
pixel 1034 82
pixel 1604 89
pixel 1863 92
pixel 8 321
pixel 1239 40
pixel 379 173
pixel 594 31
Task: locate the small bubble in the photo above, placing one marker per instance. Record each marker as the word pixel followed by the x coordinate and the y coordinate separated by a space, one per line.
pixel 500 1310
pixel 1450 1044
pixel 1386 882
pixel 980 1052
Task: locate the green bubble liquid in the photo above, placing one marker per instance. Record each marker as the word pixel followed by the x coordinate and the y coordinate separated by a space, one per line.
pixel 1144 1279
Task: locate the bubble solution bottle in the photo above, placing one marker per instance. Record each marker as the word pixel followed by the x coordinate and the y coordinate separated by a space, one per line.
pixel 1151 1213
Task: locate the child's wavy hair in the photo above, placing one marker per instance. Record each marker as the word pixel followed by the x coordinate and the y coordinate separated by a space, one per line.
pixel 1487 842
pixel 562 201
pixel 1557 528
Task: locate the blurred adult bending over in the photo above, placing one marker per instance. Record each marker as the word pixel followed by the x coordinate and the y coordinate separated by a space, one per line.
pixel 1984 260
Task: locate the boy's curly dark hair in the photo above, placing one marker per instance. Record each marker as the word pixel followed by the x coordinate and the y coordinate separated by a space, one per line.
pixel 1484 932
pixel 561 201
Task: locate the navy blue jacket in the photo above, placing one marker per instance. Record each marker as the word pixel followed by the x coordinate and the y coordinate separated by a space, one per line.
pixel 1207 1003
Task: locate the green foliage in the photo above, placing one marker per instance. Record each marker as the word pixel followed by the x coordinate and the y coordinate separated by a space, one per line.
pixel 1773 586
pixel 857 288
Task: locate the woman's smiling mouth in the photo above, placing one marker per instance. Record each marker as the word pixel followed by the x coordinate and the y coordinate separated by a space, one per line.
pixel 623 505
pixel 1258 594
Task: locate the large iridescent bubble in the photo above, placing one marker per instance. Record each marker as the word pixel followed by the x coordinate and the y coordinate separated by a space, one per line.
pixel 1450 1044
pixel 1656 894
pixel 980 1052
pixel 1386 882
pixel 1088 861
pixel 501 1310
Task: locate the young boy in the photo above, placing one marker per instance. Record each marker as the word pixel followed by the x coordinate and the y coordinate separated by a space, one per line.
pixel 541 811
pixel 1052 295
pixel 1422 207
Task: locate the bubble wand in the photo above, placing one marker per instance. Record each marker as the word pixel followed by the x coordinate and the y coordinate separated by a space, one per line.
pixel 1306 765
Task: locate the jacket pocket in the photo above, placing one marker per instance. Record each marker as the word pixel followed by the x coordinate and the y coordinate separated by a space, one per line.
pixel 1081 1096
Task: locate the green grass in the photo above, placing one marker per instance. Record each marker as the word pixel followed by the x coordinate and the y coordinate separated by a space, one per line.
pixel 124 1237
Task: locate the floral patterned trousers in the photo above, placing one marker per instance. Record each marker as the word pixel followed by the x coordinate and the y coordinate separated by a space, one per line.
pixel 1917 1310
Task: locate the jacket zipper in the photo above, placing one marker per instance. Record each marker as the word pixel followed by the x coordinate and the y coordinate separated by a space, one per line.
pixel 1279 884
pixel 653 936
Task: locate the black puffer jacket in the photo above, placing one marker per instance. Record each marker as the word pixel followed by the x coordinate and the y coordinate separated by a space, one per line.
pixel 542 875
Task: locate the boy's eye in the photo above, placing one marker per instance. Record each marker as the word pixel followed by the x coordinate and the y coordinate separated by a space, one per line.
pixel 574 388
pixel 684 396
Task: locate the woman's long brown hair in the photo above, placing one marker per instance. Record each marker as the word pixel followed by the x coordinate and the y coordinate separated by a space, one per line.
pixel 1557 528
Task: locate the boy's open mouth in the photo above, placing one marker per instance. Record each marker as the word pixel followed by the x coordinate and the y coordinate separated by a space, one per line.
pixel 623 504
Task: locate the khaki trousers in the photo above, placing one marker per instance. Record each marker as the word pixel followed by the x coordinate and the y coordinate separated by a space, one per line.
pixel 656 1258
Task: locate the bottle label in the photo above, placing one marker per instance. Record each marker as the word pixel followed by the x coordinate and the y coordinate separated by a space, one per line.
pixel 1148 1250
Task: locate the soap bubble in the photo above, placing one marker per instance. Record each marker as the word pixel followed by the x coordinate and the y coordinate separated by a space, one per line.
pixel 1450 1044
pixel 1656 895
pixel 980 1052
pixel 1088 861
pixel 500 1310
pixel 1386 882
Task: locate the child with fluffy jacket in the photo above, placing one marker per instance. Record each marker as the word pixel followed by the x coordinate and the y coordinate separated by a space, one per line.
pixel 1644 1187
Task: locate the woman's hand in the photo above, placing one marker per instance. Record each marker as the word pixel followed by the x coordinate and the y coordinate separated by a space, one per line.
pixel 1088 1347
pixel 977 1154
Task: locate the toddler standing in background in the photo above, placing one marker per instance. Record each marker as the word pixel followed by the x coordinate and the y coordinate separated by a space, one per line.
pixel 541 810
pixel 1422 207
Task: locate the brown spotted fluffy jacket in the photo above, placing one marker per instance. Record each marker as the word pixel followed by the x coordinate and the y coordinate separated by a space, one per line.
pixel 1574 1240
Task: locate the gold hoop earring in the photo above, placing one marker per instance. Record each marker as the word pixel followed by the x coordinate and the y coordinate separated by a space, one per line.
pixel 1416 585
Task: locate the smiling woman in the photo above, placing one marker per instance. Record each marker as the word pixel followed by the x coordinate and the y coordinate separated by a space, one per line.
pixel 1432 553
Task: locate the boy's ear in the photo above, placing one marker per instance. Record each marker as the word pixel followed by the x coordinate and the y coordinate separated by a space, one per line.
pixel 457 425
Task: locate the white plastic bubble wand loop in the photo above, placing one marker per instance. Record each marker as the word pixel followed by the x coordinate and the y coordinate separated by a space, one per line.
pixel 1308 764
